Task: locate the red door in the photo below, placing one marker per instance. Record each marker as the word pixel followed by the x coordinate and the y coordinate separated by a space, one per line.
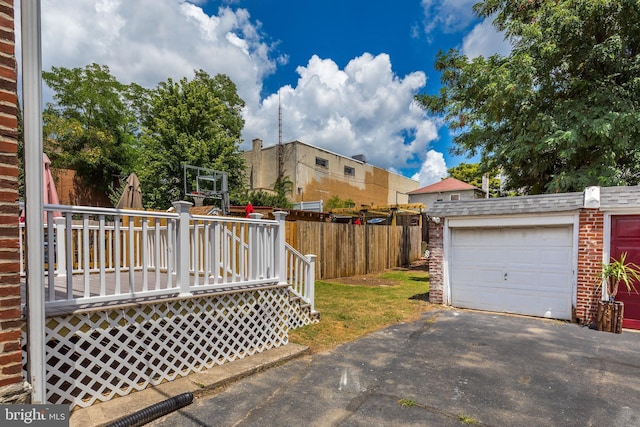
pixel 625 237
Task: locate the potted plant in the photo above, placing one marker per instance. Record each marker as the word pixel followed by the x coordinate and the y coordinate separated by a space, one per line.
pixel 614 273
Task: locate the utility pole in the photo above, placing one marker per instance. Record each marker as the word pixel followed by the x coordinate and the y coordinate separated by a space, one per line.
pixel 280 148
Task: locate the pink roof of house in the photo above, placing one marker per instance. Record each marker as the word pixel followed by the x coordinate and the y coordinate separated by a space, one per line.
pixel 449 184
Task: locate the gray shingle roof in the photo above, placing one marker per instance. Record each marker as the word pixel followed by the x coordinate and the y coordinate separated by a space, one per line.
pixel 509 205
pixel 619 197
pixel 610 198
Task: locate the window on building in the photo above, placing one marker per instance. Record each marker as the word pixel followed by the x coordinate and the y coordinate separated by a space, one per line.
pixel 455 197
pixel 322 162
pixel 349 171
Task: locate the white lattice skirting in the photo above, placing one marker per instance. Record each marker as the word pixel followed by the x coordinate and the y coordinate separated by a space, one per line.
pixel 100 354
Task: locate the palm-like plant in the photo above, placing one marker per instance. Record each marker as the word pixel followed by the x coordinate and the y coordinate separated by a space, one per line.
pixel 620 271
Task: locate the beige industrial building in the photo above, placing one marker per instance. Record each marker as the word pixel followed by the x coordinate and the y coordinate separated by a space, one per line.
pixel 319 174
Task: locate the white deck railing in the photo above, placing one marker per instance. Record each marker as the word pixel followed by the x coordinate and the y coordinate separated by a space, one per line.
pixel 301 274
pixel 102 255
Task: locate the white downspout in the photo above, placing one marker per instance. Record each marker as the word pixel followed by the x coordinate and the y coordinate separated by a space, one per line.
pixel 32 130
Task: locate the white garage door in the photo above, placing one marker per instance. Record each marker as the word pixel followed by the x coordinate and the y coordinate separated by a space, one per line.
pixel 515 270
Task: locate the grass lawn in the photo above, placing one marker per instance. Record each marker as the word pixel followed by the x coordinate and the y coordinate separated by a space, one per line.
pixel 355 306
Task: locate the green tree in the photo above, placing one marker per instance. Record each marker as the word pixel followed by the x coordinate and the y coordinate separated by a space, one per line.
pixel 562 110
pixel 471 173
pixel 336 202
pixel 194 122
pixel 92 126
pixel 263 198
pixel 276 199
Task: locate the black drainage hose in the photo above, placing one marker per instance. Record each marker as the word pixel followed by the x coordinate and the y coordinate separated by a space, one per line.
pixel 152 412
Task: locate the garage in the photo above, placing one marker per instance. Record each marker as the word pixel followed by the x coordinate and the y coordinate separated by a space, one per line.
pixel 537 255
pixel 526 270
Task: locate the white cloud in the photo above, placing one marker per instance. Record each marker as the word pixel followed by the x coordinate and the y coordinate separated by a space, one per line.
pixel 363 109
pixel 148 41
pixel 485 40
pixel 451 16
pixel 433 169
pixel 448 16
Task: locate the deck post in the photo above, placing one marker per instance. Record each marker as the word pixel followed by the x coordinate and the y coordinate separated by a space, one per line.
pixel 182 249
pixel 280 251
pixel 254 248
pixel 32 113
pixel 310 281
pixel 61 249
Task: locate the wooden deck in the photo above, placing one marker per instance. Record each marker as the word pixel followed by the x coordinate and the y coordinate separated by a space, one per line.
pixel 129 289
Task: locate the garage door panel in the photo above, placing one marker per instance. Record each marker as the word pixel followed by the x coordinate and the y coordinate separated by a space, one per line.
pixel 556 280
pixel 522 256
pixel 514 302
pixel 501 292
pixel 488 275
pixel 555 258
pixel 472 256
pixel 626 227
pixel 517 270
pixel 498 288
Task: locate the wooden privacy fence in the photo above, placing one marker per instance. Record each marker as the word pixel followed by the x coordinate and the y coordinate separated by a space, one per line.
pixel 345 250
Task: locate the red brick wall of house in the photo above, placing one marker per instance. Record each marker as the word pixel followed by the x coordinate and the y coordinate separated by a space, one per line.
pixel 436 265
pixel 590 247
pixel 10 316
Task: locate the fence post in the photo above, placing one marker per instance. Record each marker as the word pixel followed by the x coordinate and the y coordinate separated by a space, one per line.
pixel 310 281
pixel 183 253
pixel 280 254
pixel 61 247
pixel 254 249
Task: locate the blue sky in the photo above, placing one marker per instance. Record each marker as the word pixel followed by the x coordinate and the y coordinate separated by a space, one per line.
pixel 344 71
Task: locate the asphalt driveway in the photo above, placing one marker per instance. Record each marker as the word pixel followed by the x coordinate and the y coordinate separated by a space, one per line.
pixel 451 367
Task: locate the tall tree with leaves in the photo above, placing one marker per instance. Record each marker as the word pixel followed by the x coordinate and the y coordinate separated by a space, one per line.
pixel 194 122
pixel 472 174
pixel 562 111
pixel 93 124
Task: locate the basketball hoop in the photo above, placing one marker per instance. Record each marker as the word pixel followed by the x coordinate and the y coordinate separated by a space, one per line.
pixel 198 198
pixel 203 183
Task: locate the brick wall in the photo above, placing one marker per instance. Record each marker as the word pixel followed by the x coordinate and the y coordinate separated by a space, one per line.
pixel 10 317
pixel 590 246
pixel 72 190
pixel 436 266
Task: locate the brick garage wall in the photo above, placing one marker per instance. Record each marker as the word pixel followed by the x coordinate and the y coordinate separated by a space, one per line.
pixel 11 388
pixel 72 190
pixel 436 264
pixel 590 246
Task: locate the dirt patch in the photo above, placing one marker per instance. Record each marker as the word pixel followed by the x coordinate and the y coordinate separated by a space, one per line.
pixel 422 265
